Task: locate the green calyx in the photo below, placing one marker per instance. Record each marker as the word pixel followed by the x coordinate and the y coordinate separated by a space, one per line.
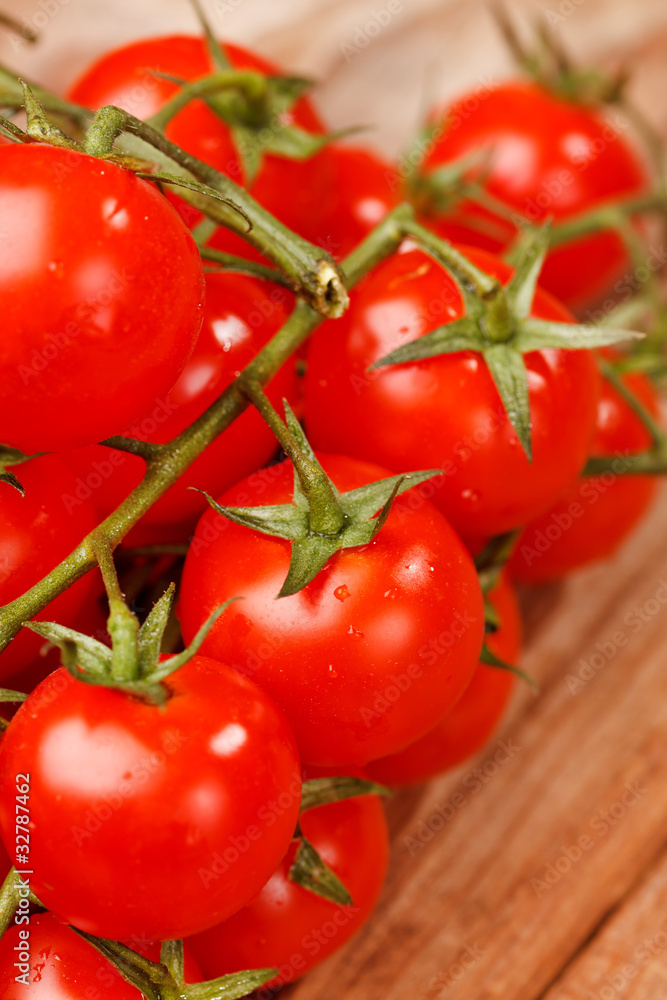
pixel 308 869
pixel 320 520
pixel 133 663
pixel 498 325
pixel 12 457
pixel 164 980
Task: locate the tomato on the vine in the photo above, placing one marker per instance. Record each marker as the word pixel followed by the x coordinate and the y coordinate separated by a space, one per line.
pixel 290 928
pixel 54 963
pixel 445 412
pixel 240 316
pixel 37 531
pixel 597 513
pixel 541 156
pixel 126 77
pixel 468 726
pixel 102 290
pixel 146 821
pixel 347 657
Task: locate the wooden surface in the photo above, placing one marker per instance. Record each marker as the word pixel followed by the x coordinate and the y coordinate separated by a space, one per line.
pixel 540 869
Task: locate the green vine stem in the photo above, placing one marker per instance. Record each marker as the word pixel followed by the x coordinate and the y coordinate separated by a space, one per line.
pixel 166 463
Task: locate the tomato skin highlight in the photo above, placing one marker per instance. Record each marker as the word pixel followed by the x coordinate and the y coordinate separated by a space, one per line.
pixel 597 513
pixel 548 157
pixel 103 290
pixel 146 822
pixel 346 657
pixel 288 927
pixel 240 317
pixel 470 723
pixel 37 531
pixel 445 412
pixel 62 966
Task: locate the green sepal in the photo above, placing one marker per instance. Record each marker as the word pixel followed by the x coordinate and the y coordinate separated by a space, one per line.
pixel 491 660
pixel 508 371
pixel 520 289
pixel 11 456
pixel 461 335
pixel 150 634
pixel 39 126
pixel 183 182
pixel 85 658
pixel 174 663
pixel 491 617
pixel 536 334
pixel 215 50
pixel 231 987
pixel 9 697
pixel 313 874
pixel 323 791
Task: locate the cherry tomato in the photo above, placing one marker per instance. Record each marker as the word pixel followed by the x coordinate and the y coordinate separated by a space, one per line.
pixel 37 531
pixel 145 821
pixel 468 726
pixel 125 77
pixel 290 928
pixel 346 658
pixel 60 965
pixel 547 157
pixel 103 290
pixel 241 315
pixel 596 514
pixel 445 412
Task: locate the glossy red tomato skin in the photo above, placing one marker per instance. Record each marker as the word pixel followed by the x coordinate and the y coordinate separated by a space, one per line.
pixel 346 657
pixel 152 823
pixel 445 412
pixel 288 927
pixel 470 723
pixel 62 966
pixel 37 531
pixel 103 288
pixel 597 513
pixel 548 158
pixel 241 315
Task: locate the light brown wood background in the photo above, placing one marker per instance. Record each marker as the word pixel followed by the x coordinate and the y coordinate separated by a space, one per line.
pixel 496 898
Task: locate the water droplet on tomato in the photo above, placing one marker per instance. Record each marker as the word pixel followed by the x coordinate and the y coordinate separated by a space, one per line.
pixel 470 496
pixel 355 633
pixel 332 672
pixel 341 593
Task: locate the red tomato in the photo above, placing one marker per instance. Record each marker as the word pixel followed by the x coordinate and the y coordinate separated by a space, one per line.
pixel 346 658
pixel 124 77
pixel 445 412
pixel 290 928
pixel 548 157
pixel 468 726
pixel 595 514
pixel 103 290
pixel 60 965
pixel 37 531
pixel 151 822
pixel 241 315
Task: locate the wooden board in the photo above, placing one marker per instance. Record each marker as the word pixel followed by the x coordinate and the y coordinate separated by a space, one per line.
pixel 538 870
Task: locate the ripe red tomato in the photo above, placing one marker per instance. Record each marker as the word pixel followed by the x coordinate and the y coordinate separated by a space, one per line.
pixel 124 77
pixel 595 514
pixel 288 927
pixel 151 822
pixel 241 315
pixel 60 965
pixel 36 533
pixel 103 290
pixel 468 726
pixel 346 658
pixel 445 412
pixel 548 157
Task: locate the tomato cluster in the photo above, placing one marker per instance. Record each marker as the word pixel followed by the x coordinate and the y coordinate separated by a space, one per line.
pixel 347 606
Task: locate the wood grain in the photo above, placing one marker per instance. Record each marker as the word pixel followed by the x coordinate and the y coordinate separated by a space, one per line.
pixel 540 869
